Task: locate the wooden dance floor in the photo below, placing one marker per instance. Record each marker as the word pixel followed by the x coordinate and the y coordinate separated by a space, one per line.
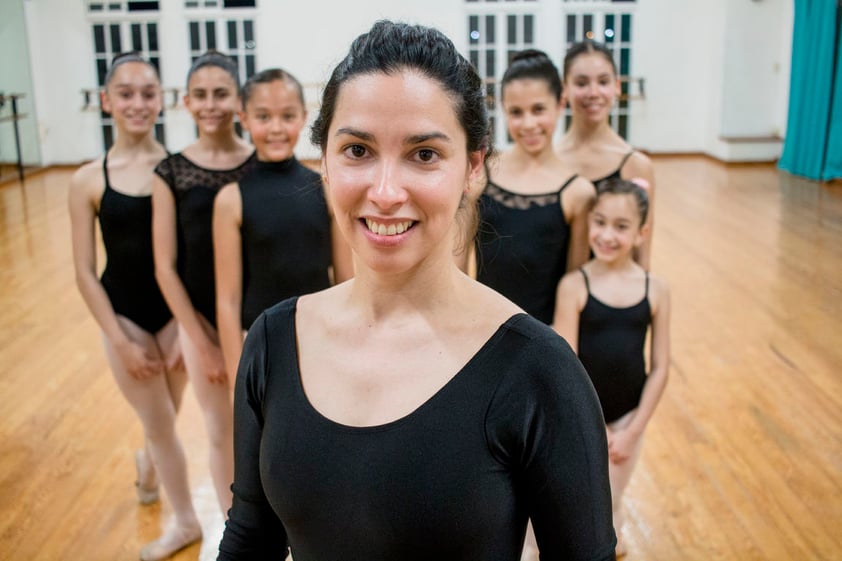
pixel 742 461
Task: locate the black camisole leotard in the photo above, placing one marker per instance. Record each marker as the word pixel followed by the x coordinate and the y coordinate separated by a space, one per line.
pixel 611 345
pixel 286 235
pixel 522 246
pixel 195 189
pixel 616 173
pixel 129 275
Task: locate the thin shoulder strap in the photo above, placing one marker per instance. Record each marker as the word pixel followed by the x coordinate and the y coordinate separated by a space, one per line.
pixel 584 274
pixel 625 159
pixel 568 182
pixel 646 294
pixel 105 170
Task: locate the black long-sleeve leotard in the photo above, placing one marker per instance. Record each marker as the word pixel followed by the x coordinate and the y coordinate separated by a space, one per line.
pixel 516 434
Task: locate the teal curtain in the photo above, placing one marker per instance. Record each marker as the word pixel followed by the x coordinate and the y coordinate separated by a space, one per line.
pixel 813 144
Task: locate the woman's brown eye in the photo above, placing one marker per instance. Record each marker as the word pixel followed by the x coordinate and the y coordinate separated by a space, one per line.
pixel 357 151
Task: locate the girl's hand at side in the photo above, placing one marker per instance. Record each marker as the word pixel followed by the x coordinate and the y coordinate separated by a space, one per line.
pixel 621 444
pixel 213 363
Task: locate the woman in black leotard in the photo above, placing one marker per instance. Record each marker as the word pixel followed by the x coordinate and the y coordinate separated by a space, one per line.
pixel 138 331
pixel 411 413
pixel 274 236
pixel 183 195
pixel 533 208
pixel 590 146
pixel 604 311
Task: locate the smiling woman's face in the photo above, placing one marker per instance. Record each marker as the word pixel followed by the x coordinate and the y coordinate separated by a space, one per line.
pixel 397 166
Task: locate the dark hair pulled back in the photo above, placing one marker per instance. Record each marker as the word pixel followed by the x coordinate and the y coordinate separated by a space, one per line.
pixel 532 64
pixel 586 47
pixel 216 59
pixel 617 186
pixel 390 47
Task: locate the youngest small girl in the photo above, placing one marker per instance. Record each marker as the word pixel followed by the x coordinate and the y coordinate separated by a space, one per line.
pixel 604 310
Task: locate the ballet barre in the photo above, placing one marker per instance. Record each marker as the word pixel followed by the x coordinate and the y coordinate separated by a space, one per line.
pixel 14 118
pixel 91 96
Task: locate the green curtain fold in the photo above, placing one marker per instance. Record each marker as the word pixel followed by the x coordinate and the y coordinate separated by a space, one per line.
pixel 813 144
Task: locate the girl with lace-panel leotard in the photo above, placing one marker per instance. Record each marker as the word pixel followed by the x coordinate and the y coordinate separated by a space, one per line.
pixel 139 334
pixel 522 246
pixel 183 195
pixel 590 146
pixel 274 234
pixel 604 310
pixel 531 230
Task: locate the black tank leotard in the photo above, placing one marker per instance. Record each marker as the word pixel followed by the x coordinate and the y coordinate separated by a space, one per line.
pixel 285 233
pixel 611 343
pixel 129 275
pixel 195 189
pixel 522 246
pixel 616 173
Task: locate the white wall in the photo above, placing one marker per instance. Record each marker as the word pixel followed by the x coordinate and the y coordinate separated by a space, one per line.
pixel 15 79
pixel 709 65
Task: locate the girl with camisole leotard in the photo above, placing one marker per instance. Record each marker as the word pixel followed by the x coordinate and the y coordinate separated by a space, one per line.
pixel 532 210
pixel 605 310
pixel 139 334
pixel 183 196
pixel 590 146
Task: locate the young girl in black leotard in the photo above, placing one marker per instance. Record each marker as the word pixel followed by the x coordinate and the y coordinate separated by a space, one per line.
pixel 183 196
pixel 138 331
pixel 533 209
pixel 274 236
pixel 590 146
pixel 604 310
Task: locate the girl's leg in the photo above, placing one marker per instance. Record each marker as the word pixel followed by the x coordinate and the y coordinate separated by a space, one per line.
pixel 152 401
pixel 215 402
pixel 619 475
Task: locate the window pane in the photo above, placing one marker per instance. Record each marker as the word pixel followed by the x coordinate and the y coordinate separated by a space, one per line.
pixel 609 28
pixel 489 30
pixel 528 27
pixel 490 66
pixel 232 34
pixel 249 65
pixel 142 6
pixel 624 62
pixel 571 28
pixel 99 39
pixel 511 29
pixel 626 20
pixel 137 37
pixel 248 33
pixel 101 69
pixel 195 45
pixel 587 26
pixel 239 3
pixel 474 54
pixel 152 35
pixel 116 44
pixel 473 29
pixel 210 29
